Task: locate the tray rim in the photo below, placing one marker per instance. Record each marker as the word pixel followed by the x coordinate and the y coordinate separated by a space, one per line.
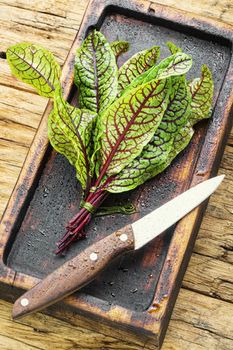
pixel 152 325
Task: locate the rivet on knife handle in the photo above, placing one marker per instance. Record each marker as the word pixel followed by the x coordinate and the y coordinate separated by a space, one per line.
pixel 75 273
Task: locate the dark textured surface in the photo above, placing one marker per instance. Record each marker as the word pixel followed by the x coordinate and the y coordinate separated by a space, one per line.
pixel 130 281
pixel 142 35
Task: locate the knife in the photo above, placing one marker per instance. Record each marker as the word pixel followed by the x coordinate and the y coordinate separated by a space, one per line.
pixel 83 268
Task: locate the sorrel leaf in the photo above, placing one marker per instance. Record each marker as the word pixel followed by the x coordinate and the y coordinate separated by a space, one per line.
pixel 185 134
pixel 119 47
pixel 36 66
pixel 178 110
pixel 69 131
pixel 181 141
pixel 174 65
pixel 202 95
pixel 129 123
pixel 155 154
pixel 96 73
pixel 173 48
pixel 144 167
pixel 136 65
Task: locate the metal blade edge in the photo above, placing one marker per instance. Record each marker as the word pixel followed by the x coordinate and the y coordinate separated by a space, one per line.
pixel 159 220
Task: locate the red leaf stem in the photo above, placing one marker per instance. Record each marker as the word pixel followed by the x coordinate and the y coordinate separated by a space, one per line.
pixel 75 227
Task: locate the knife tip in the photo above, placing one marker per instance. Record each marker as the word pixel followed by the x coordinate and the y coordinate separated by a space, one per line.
pixel 218 179
pixel 221 177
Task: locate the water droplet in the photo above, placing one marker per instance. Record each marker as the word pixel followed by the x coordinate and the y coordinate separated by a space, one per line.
pixel 42 231
pixel 134 290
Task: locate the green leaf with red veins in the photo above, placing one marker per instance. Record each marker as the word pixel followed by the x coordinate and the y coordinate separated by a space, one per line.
pixel 70 131
pixel 174 65
pixel 157 152
pixel 178 110
pixel 173 48
pixel 119 47
pixel 129 124
pixel 181 141
pixel 136 65
pixel 202 95
pixel 35 66
pixel 96 73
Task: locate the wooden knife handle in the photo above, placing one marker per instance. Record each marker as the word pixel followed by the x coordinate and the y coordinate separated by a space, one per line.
pixel 75 273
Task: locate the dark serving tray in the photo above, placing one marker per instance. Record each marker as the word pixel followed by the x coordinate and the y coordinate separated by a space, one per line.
pixel 137 291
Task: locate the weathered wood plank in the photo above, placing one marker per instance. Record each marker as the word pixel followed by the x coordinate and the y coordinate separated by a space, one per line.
pixel 220 9
pixel 210 276
pixel 20 114
pixel 8 178
pixel 205 313
pixel 21 107
pixel 227 159
pixel 230 139
pixel 45 332
pixel 7 343
pixel 197 322
pixel 15 158
pixel 52 31
pixel 215 238
pixel 54 8
pixel 20 134
pixel 184 336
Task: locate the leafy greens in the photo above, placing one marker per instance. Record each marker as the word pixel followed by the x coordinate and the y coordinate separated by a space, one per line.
pixel 129 122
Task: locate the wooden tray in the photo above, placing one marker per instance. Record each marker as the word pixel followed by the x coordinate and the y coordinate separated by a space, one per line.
pixel 137 292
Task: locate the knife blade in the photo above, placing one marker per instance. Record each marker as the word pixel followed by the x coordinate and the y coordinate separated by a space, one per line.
pixel 83 268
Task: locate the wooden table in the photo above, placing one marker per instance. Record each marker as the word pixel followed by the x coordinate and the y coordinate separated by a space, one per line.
pixel 203 315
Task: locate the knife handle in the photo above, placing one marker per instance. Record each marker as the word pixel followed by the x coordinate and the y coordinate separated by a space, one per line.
pixel 75 273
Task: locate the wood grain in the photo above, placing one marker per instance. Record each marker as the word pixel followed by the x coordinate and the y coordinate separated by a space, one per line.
pixel 220 9
pixel 202 318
